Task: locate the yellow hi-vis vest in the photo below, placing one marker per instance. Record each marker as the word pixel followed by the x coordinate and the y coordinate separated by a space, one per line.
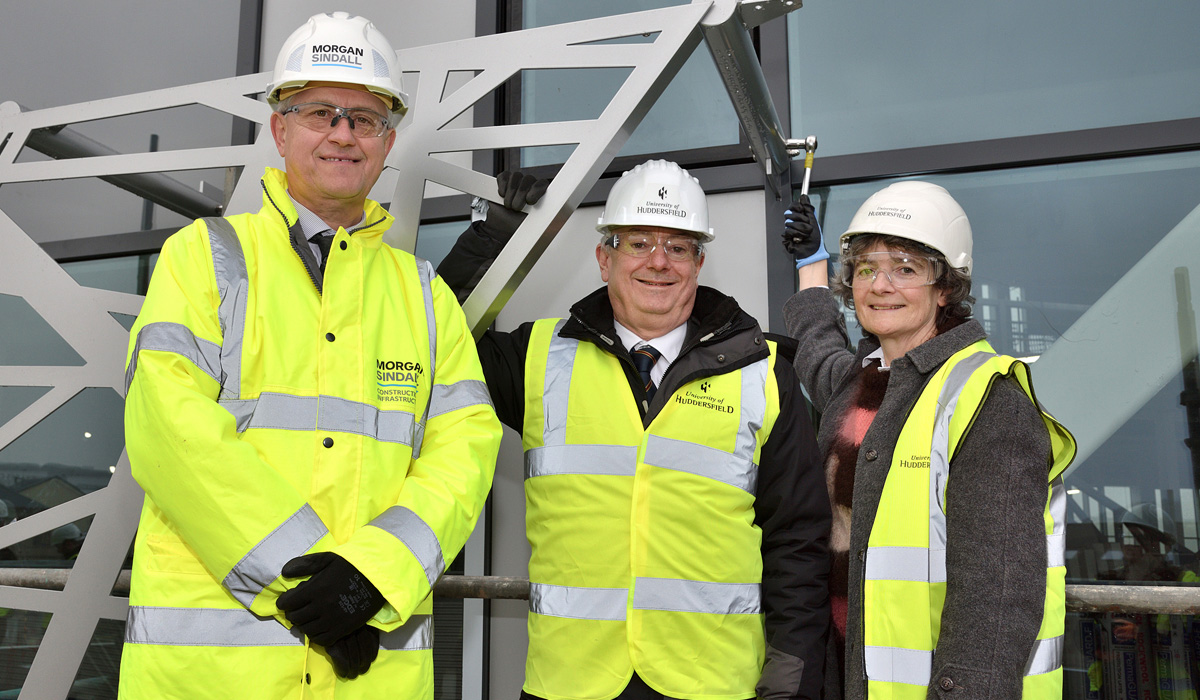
pixel 266 421
pixel 904 585
pixel 645 554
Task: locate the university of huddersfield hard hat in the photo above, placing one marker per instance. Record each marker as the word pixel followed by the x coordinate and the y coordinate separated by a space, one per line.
pixel 657 193
pixel 919 211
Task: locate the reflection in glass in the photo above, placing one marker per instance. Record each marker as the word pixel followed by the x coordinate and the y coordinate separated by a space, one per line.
pixel 27 338
pixel 867 77
pixel 21 633
pixel 127 273
pixel 97 677
pixel 693 112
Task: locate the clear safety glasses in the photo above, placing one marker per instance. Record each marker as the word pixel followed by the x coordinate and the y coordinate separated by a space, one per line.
pixel 639 245
pixel 323 117
pixel 903 270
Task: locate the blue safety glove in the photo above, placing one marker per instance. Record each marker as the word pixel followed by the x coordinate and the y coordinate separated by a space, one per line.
pixel 335 601
pixel 802 233
pixel 353 654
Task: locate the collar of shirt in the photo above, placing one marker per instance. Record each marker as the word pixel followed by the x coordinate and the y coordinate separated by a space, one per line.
pixel 877 355
pixel 313 226
pixel 669 345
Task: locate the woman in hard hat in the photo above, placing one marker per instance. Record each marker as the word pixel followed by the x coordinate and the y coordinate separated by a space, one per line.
pixel 943 471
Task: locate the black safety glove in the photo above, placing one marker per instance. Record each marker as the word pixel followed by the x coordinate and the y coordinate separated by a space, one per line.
pixel 516 189
pixel 334 602
pixel 802 233
pixel 353 654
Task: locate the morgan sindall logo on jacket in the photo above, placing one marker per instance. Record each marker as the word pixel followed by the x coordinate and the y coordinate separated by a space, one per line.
pixel 398 381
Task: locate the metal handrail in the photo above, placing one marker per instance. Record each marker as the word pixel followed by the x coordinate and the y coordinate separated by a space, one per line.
pixel 1093 598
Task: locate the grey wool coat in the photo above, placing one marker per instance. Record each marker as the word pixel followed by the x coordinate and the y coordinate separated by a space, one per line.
pixel 996 545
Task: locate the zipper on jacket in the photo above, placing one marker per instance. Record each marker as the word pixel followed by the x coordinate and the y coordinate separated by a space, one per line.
pixel 291 239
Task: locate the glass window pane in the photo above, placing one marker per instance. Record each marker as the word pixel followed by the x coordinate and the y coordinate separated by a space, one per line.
pixel 128 273
pixel 435 240
pixel 693 112
pixel 869 76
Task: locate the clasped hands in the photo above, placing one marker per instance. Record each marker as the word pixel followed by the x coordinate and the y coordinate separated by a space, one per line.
pixel 332 608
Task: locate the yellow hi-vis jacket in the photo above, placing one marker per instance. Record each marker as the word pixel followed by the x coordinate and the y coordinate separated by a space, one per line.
pixel 904 584
pixel 645 554
pixel 266 420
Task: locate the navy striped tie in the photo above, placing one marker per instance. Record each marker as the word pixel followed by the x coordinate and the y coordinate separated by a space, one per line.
pixel 644 359
pixel 324 243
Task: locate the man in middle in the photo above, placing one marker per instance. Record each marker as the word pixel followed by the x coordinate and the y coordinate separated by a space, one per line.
pixel 675 502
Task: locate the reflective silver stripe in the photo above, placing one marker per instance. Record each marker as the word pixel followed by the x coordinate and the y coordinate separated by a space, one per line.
pixel 425 273
pixel 233 284
pixel 557 390
pixel 262 564
pixel 577 602
pixel 753 415
pixel 1056 541
pixel 219 627
pixel 598 460
pixel 939 457
pixel 206 627
pixel 905 564
pixel 415 533
pixel 179 339
pixel 451 397
pixel 1047 656
pixel 701 460
pixel 342 416
pixel 272 411
pixel 893 665
pixel 679 595
pixel 415 634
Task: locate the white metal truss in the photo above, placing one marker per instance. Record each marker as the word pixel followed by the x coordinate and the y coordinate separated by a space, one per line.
pixel 82 315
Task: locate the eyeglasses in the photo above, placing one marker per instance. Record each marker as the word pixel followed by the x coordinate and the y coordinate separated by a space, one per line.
pixel 904 271
pixel 639 245
pixel 323 117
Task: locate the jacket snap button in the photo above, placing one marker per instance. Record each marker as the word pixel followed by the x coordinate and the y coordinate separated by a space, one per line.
pixel 720 358
pixel 861 555
pixel 329 337
pixel 946 683
pixel 758 341
pixel 343 245
pixel 871 455
pixel 328 442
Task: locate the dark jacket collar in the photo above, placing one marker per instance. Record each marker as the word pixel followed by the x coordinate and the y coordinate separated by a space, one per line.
pixel 714 314
pixel 931 354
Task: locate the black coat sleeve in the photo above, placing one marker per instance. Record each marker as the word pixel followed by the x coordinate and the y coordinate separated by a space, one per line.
pixel 470 258
pixel 502 356
pixel 792 509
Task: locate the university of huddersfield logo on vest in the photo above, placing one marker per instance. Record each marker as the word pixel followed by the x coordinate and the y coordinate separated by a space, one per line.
pixel 398 380
pixel 917 462
pixel 702 395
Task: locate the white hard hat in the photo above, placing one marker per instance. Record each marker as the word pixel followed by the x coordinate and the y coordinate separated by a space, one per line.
pixel 920 211
pixel 341 48
pixel 1146 515
pixel 62 533
pixel 657 193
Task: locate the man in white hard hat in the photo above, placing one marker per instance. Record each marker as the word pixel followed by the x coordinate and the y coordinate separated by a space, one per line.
pixel 306 412
pixel 674 494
